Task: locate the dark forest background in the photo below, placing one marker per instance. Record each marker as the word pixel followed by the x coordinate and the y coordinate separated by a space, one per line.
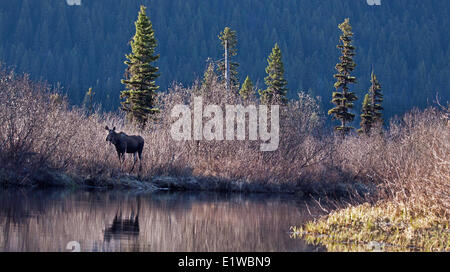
pixel 406 42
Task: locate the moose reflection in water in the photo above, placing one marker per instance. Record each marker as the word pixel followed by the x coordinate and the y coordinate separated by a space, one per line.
pixel 126 144
pixel 123 228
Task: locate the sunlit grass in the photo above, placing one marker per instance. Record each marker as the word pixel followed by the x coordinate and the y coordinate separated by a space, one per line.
pixel 382 227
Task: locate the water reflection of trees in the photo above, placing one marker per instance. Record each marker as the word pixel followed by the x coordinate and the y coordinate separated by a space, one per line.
pixel 119 221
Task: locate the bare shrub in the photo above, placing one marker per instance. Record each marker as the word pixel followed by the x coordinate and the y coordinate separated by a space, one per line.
pixel 299 148
pixel 24 145
pixel 417 169
pixel 35 122
pixel 410 162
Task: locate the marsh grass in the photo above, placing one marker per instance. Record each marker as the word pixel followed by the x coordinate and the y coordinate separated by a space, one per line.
pixel 385 226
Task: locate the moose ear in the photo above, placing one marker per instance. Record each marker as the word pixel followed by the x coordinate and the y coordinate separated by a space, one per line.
pixel 107 128
pixel 114 128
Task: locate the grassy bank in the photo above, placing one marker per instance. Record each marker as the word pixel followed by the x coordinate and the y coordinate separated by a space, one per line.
pixel 383 227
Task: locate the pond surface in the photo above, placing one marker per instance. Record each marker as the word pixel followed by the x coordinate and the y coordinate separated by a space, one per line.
pixel 47 220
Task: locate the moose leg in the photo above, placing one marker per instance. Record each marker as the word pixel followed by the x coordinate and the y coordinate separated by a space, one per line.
pixel 120 161
pixel 134 162
pixel 140 157
pixel 123 159
pixel 140 162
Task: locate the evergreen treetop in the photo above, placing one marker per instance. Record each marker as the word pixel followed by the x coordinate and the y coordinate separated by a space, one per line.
pixel 366 116
pixel 229 36
pixel 140 76
pixel 344 99
pixel 376 98
pixel 226 67
pixel 371 110
pixel 247 89
pixel 209 77
pixel 276 84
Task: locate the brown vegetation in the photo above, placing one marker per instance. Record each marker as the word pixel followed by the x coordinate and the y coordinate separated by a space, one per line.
pixel 409 162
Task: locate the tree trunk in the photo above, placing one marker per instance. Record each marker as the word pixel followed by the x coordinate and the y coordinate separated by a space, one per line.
pixel 227 67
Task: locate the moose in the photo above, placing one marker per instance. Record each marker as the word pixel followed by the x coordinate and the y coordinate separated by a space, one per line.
pixel 126 144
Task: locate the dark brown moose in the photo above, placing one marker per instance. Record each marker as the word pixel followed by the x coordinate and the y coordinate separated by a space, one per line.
pixel 126 144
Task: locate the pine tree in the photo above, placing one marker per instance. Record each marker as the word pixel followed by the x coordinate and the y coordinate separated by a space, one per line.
pixel 344 100
pixel 226 67
pixel 371 110
pixel 140 94
pixel 209 77
pixel 376 98
pixel 247 89
pixel 276 84
pixel 366 116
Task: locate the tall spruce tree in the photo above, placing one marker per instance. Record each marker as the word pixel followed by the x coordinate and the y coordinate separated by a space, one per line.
pixel 344 99
pixel 140 94
pixel 247 89
pixel 276 84
pixel 376 98
pixel 371 111
pixel 228 68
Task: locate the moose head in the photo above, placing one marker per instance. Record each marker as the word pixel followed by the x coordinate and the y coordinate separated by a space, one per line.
pixel 112 135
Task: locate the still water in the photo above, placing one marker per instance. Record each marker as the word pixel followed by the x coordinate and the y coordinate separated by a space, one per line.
pixel 47 220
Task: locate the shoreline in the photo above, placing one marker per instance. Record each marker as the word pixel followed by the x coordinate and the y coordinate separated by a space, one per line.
pixel 47 178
